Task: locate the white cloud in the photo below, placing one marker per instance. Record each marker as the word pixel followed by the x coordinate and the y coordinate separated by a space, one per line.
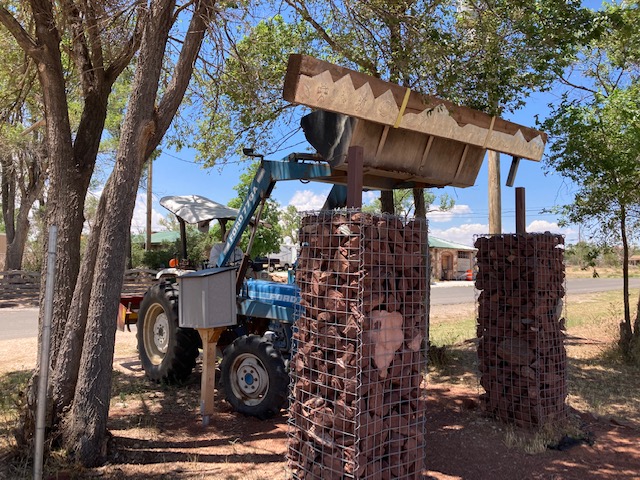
pixel 462 234
pixel 544 226
pixel 369 197
pixel 139 220
pixel 306 200
pixel 447 215
pixel 465 233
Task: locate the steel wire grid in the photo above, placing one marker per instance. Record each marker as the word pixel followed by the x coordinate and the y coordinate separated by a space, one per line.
pixel 520 326
pixel 357 408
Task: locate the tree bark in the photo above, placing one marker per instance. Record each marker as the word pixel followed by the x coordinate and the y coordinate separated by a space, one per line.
pixel 8 202
pixel 62 201
pixel 65 374
pixel 420 204
pixel 386 202
pixel 72 157
pixel 25 171
pixel 636 323
pixel 626 331
pixel 142 130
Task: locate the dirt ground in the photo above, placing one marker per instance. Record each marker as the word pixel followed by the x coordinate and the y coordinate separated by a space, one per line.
pixel 157 433
pixel 461 442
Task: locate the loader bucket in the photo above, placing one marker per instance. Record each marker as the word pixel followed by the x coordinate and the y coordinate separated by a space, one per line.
pixel 393 158
pixel 408 139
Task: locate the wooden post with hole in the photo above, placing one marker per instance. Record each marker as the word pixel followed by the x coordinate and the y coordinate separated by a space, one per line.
pixel 521 214
pixel 354 176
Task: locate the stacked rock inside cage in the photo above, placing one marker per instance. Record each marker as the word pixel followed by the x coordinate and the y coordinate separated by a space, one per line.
pixel 357 403
pixel 521 352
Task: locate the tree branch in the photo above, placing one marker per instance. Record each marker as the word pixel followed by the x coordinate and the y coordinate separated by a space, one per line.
pixel 364 63
pixel 174 93
pixel 123 59
pixel 576 86
pixel 180 9
pixel 26 41
pixel 95 42
pixel 79 49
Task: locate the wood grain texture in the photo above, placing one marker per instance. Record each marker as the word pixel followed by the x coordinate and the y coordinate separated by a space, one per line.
pixel 322 85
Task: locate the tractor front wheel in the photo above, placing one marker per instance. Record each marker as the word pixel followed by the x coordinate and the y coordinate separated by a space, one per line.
pixel 168 353
pixel 253 377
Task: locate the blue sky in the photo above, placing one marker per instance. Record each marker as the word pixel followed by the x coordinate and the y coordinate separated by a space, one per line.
pixel 176 173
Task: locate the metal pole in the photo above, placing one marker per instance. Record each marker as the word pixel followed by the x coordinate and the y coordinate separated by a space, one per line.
pixel 43 379
pixel 149 204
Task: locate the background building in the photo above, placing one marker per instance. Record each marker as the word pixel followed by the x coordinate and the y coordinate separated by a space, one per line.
pixel 450 260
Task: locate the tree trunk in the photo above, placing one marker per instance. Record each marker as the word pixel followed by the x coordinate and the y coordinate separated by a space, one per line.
pixel 142 130
pixel 626 332
pixel 71 161
pixel 386 201
pixel 421 206
pixel 87 420
pixel 30 181
pixel 129 260
pixel 65 373
pixel 8 202
pixel 16 246
pixel 62 188
pixel 636 323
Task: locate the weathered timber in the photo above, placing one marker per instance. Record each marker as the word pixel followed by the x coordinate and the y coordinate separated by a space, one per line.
pixel 329 87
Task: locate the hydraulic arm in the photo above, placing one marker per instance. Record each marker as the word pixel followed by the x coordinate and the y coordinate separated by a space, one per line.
pixel 294 167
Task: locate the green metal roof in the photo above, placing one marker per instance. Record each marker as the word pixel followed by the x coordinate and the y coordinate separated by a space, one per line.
pixel 157 237
pixel 435 242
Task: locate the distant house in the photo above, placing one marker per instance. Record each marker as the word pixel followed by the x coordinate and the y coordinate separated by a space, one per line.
pixel 634 260
pixel 157 239
pixel 450 260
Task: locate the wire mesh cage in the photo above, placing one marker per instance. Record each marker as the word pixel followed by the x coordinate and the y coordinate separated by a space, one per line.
pixel 357 405
pixel 521 351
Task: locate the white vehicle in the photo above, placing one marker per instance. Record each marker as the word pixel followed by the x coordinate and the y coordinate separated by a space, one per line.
pixel 284 259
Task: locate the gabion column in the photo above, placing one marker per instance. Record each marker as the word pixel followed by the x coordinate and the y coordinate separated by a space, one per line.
pixel 357 406
pixel 523 362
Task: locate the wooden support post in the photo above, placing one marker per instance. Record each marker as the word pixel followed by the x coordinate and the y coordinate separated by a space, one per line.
pixel 521 214
pixel 354 176
pixel 511 178
pixel 210 338
pixel 495 199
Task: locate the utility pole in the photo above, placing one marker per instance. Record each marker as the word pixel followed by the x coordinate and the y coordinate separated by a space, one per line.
pixel 495 197
pixel 149 205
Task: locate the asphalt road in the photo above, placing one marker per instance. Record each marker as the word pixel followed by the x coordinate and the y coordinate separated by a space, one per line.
pixel 448 293
pixel 18 323
pixel 23 322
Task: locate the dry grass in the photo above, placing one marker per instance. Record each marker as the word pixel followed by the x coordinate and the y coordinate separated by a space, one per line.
pixel 141 413
pixel 603 272
pixel 599 382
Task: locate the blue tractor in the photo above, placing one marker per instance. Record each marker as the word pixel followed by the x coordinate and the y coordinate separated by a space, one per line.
pixel 353 153
pixel 256 345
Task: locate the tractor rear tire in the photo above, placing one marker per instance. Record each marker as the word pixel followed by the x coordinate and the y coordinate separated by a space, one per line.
pixel 168 353
pixel 253 377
